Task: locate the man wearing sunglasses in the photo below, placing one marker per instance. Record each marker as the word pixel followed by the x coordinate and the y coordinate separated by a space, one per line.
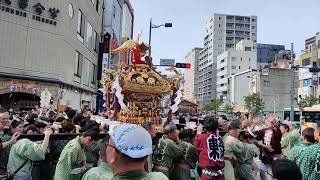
pixel 128 148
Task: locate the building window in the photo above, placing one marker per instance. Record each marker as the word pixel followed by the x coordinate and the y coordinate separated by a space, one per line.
pixel 77 64
pixel 266 83
pixel 249 59
pixel 219 18
pixel 253 27
pixel 219 25
pixel 253 20
pixel 94 41
pixel 80 23
pixel 233 67
pixel 240 59
pixel 89 38
pixel 307 82
pixel 306 62
pixel 249 67
pixel 239 67
pixel 98 6
pixel 247 49
pixel 233 58
pixel 86 72
pixel 93 73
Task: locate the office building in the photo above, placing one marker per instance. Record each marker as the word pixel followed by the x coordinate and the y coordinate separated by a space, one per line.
pixel 49 45
pixel 191 75
pixel 222 32
pixel 235 60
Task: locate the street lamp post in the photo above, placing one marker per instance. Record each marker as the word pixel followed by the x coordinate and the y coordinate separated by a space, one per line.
pixel 152 26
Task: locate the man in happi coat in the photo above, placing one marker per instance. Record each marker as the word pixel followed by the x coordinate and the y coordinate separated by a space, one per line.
pixel 103 171
pixel 244 168
pixel 167 150
pixel 271 146
pixel 24 152
pixel 308 139
pixel 310 159
pixel 127 150
pixel 72 162
pixel 210 146
pixel 185 166
pixel 290 138
pixel 232 147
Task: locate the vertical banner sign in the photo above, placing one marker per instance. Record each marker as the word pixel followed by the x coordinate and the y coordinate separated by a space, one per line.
pixel 315 79
pixel 105 61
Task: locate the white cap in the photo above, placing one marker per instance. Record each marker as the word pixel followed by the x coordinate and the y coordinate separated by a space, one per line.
pixel 132 140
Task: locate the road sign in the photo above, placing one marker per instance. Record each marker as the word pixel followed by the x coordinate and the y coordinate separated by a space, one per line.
pixel 167 62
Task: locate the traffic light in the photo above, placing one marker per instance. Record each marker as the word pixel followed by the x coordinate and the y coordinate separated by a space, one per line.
pixel 168 25
pixel 183 65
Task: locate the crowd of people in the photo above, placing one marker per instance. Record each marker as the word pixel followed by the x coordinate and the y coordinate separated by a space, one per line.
pixel 217 148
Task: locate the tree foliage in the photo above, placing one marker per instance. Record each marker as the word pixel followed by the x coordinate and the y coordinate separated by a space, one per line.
pixel 206 108
pixel 228 108
pixel 254 103
pixel 216 104
pixel 308 102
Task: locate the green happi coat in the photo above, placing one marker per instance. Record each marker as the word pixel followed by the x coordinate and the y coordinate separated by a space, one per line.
pixel 166 153
pixel 245 158
pixel 140 175
pixel 232 146
pixel 190 157
pixel 102 172
pixel 24 150
pixel 289 140
pixel 310 162
pixel 71 157
pixel 295 153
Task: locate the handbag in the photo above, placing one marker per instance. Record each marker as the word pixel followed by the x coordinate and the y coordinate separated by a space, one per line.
pixel 9 176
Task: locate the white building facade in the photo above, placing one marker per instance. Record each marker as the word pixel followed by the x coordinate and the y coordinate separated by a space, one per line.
pixel 191 75
pixel 222 32
pixel 271 84
pixel 241 58
pixel 310 57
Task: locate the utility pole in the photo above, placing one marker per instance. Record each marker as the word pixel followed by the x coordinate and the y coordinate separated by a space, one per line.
pixel 292 92
pixel 150 31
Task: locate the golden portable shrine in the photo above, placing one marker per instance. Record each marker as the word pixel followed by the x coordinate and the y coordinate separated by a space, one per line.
pixel 135 91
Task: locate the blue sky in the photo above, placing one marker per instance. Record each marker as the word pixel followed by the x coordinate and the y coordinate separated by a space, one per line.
pixel 279 22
